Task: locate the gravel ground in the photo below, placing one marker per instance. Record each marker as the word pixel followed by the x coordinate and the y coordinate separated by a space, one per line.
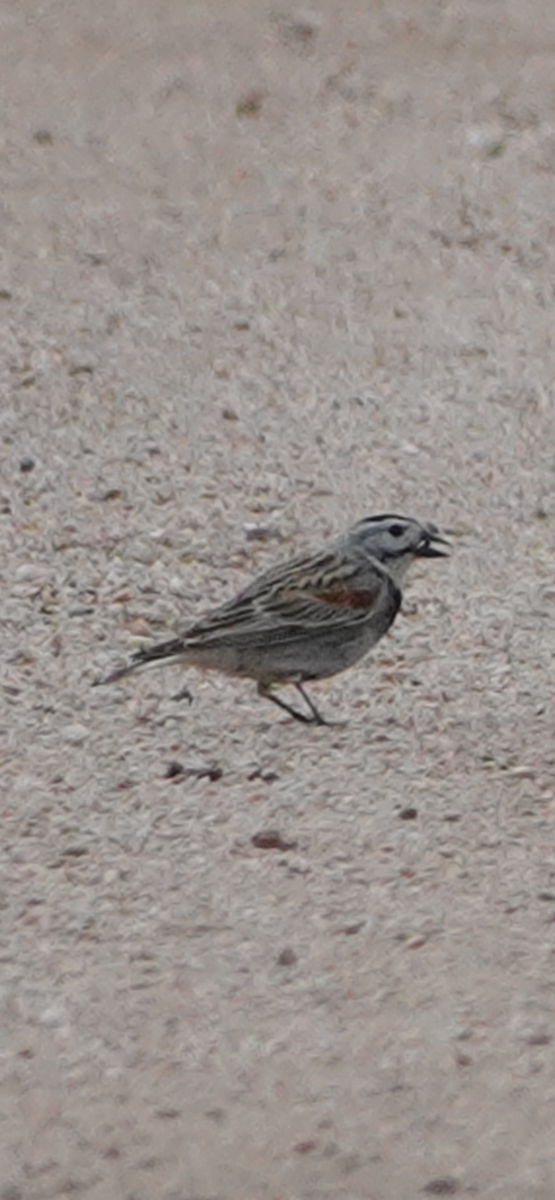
pixel 265 270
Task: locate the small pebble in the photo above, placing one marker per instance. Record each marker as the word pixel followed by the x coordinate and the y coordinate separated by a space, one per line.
pixel 29 571
pixel 271 839
pixel 174 770
pixel 254 531
pixel 441 1187
pixel 75 733
pixel 287 958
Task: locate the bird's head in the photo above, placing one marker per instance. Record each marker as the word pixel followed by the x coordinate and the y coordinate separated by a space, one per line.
pixel 396 541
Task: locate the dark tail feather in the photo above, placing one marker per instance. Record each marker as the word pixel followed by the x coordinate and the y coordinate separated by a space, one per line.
pixel 149 656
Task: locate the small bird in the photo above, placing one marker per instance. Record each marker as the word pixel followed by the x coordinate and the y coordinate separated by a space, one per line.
pixel 307 618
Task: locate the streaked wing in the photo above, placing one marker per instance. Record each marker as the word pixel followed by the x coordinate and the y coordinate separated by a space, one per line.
pixel 311 594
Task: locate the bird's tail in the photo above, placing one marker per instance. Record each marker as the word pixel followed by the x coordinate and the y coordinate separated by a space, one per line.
pixel 149 656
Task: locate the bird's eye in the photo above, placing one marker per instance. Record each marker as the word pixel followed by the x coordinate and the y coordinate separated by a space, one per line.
pixel 396 530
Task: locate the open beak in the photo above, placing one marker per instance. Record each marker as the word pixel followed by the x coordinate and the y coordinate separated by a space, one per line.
pixel 431 543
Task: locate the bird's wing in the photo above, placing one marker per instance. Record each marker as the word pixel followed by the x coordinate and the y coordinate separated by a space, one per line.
pixel 306 595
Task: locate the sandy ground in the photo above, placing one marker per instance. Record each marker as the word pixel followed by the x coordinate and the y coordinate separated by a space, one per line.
pixel 266 269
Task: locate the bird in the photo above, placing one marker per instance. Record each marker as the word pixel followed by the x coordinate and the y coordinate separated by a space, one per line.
pixel 308 618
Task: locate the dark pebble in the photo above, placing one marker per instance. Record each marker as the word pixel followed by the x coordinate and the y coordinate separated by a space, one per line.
pixel 271 839
pixel 441 1187
pixel 287 958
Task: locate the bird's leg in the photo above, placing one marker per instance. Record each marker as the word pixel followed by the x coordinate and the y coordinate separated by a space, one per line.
pixel 317 717
pixel 293 712
pixel 264 689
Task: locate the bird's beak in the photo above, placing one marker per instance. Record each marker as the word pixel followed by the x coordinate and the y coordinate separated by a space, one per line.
pixel 431 543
